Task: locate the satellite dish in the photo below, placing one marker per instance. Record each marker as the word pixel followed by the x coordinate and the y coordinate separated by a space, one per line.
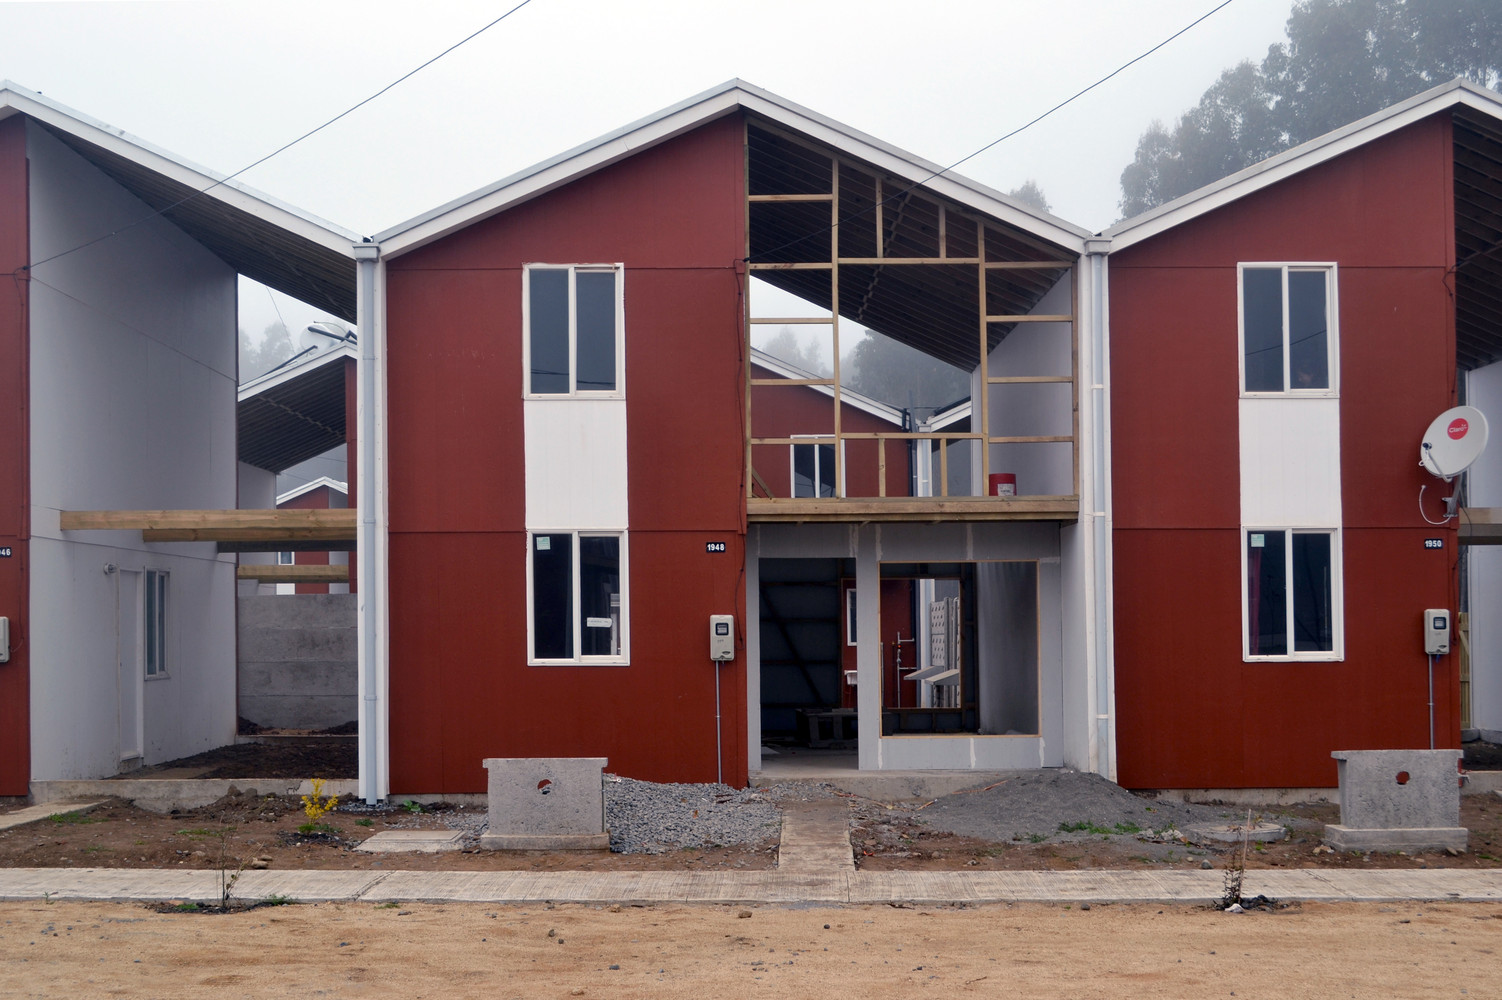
pixel 1453 441
pixel 322 335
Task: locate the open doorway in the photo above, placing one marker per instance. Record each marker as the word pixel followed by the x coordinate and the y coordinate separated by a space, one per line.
pixel 972 665
pixel 807 653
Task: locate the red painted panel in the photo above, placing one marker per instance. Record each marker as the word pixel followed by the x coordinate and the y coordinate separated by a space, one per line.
pixel 320 499
pixel 1176 459
pixel 15 463
pixel 460 686
pixel 461 690
pixel 1192 714
pixel 782 411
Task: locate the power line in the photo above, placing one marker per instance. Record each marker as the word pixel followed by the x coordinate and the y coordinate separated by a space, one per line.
pixel 283 148
pixel 1021 128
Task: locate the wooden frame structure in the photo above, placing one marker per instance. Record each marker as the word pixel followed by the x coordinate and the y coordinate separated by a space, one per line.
pixel 900 218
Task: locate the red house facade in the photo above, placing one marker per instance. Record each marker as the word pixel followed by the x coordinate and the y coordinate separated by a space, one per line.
pixel 1279 343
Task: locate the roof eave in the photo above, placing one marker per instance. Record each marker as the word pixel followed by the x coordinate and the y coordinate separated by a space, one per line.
pixel 1300 158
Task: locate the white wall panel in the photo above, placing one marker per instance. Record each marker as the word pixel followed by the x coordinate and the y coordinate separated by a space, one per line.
pixel 576 463
pixel 1484 481
pixel 1290 462
pixel 133 343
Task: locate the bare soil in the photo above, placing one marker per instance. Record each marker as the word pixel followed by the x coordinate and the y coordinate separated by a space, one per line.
pixel 263 831
pixel 1103 952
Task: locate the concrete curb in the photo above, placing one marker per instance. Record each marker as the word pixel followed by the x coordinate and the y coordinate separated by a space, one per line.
pixel 1192 887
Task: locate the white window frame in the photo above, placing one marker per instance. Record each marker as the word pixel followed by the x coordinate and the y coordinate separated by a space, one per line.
pixel 624 659
pixel 813 441
pixel 619 392
pixel 1332 327
pixel 1337 596
pixel 155 661
pixel 286 558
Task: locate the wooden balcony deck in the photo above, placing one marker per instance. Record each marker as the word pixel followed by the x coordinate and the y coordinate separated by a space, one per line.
pixel 916 509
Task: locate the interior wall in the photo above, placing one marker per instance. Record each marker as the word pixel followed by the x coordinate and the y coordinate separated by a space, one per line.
pixel 1007 623
pixel 133 407
pixel 1036 408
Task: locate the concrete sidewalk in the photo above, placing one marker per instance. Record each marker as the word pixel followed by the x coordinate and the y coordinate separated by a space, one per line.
pixel 1195 887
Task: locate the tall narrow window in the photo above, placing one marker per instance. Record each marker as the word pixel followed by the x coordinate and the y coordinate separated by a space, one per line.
pixel 578 597
pixel 154 625
pixel 573 338
pixel 1292 594
pixel 1288 328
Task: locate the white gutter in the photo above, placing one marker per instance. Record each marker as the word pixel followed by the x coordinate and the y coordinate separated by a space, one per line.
pixel 1103 733
pixel 372 637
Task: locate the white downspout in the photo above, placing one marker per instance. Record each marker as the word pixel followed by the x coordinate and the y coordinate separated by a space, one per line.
pixel 1103 743
pixel 371 584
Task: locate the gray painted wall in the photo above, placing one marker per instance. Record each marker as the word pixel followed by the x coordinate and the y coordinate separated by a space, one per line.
pixel 132 406
pixel 298 660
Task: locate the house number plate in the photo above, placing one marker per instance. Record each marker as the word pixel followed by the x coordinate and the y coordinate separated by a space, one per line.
pixel 714 546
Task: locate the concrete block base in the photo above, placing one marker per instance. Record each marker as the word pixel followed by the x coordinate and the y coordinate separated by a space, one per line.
pixel 553 842
pixel 1346 838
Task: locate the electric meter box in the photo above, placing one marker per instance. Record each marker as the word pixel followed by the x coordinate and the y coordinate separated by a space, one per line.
pixel 1437 631
pixel 721 637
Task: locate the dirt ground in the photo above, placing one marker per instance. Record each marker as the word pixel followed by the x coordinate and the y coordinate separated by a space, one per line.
pixel 263 831
pixel 1362 951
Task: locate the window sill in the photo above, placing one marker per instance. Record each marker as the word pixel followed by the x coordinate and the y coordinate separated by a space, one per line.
pixel 1297 658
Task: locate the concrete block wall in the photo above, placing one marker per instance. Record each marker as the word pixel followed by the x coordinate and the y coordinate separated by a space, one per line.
pixel 297 660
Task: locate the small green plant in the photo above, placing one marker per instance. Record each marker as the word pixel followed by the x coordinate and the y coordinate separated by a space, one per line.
pixel 1036 838
pixel 1127 828
pixel 186 908
pixel 365 821
pixel 316 806
pixel 73 818
pixel 387 906
pixel 197 833
pixel 1083 826
pixel 412 806
pixel 277 899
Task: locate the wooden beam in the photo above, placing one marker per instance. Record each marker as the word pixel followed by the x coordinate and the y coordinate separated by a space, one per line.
pixel 294 574
pixel 1481 526
pixel 289 545
pixel 271 535
pixel 1035 318
pixel 922 509
pixel 217 520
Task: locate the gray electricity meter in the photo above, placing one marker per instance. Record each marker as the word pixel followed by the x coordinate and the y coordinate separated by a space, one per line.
pixel 1436 631
pixel 721 637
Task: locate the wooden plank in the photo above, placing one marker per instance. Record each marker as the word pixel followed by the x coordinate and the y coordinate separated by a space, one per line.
pixel 1032 439
pixel 293 574
pixel 794 321
pixel 924 509
pixel 1028 265
pixel 790 266
pixel 292 534
pixel 218 520
pixel 1034 318
pixel 909 260
pixel 792 381
pixel 789 197
pixel 1016 379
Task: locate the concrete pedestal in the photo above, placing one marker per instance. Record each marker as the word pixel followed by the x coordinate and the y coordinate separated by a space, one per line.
pixel 1398 800
pixel 546 804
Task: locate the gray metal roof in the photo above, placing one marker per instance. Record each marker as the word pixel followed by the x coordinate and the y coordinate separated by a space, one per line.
pixel 291 414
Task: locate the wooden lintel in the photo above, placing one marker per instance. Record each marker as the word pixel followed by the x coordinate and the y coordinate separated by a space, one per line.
pixel 792 381
pixel 218 520
pixel 793 321
pixel 807 265
pixel 294 574
pixel 1035 318
pixel 789 197
pixel 1028 265
pixel 1018 379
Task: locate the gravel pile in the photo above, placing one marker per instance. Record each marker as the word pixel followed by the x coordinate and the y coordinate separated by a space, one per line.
pixel 1059 805
pixel 646 818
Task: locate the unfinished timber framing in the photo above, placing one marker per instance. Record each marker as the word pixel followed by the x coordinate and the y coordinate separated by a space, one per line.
pixel 891 226
pixel 293 574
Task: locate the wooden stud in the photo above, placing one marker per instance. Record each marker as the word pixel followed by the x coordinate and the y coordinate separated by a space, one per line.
pixel 219 520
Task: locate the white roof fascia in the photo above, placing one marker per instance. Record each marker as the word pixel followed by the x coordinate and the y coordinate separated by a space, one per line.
pixel 332 484
pixel 15 99
pixel 277 376
pixel 860 401
pixel 692 113
pixel 1301 158
pixel 944 418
